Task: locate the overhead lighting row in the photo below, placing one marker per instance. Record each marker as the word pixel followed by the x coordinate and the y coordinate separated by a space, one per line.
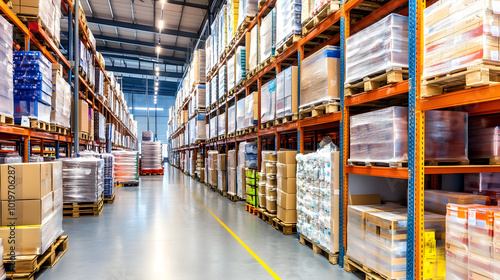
pixel 158 51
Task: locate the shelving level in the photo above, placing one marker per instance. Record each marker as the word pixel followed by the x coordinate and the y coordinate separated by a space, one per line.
pixel 36 37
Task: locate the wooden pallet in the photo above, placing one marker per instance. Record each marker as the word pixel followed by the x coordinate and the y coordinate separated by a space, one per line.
pixel 283 227
pixel 267 62
pixel 6 119
pixel 252 209
pixel 287 119
pixel 78 209
pixel 391 76
pixel 84 135
pixel 351 265
pixel 221 137
pixel 127 184
pixel 25 267
pixel 319 110
pixel 371 163
pixel 231 135
pixel 26 18
pixel 244 24
pixel 233 197
pixel 323 13
pixel 252 73
pixel 110 199
pixel 240 133
pixel 266 216
pixel 333 258
pixel 222 192
pixel 266 125
pixel 152 174
pixel 483 73
pixel 39 125
pixel 251 130
pixel 486 161
pixel 294 38
pixel 446 162
pixel 57 129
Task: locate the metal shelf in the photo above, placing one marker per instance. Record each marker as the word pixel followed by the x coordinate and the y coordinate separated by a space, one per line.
pixel 388 172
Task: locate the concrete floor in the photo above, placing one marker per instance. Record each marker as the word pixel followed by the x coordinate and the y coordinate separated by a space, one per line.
pixel 161 231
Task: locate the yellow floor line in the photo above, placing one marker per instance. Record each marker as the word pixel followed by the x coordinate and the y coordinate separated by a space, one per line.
pixel 275 276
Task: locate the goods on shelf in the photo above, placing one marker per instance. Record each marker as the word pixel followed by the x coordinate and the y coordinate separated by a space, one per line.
pixel 446 136
pixel 378 48
pixel 199 96
pixel 208 54
pixel 240 58
pixel 318 196
pixel 197 69
pixel 214 89
pixel 47 11
pixel 252 46
pixel 6 69
pixel 286 92
pixel 99 81
pixel 197 128
pixel 83 179
pixel 247 8
pixel 231 68
pixel 221 124
pixel 221 31
pixel 240 171
pixel 320 77
pixel 484 135
pixel 213 127
pixel 36 210
pixel 32 86
pixel 268 102
pixel 268 182
pixel 232 19
pixel 10 158
pixel 240 114
pixel 109 174
pixel 126 166
pixel 251 158
pixel 221 172
pixel 261 190
pixel 151 156
pixel 99 126
pixel 212 168
pixel 231 172
pixel 222 81
pixel 252 182
pixel 61 100
pixel 287 189
pixel 436 200
pixel 208 94
pixel 288 13
pixel 251 110
pixel 267 38
pixel 231 119
pixel 447 23
pixel 83 116
pixel 147 136
pixel 214 42
pixel 482 183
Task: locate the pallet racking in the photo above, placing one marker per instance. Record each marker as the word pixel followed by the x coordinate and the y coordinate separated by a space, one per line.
pixel 34 35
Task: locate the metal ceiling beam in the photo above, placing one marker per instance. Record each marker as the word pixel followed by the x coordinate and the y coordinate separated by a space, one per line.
pixel 139 81
pixel 141 27
pixel 161 62
pixel 151 93
pixel 136 71
pixel 192 5
pixel 166 59
pixel 139 43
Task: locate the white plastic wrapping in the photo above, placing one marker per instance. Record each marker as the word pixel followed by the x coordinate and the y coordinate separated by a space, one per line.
pixel 213 127
pixel 240 115
pixel 288 15
pixel 214 89
pixel 222 81
pixel 232 18
pixel 240 172
pixel 250 112
pixel 61 101
pixel 247 8
pixel 267 38
pixel 221 31
pixel 208 54
pixel 251 156
pixel 231 119
pixel 83 179
pixel 280 94
pixel 109 174
pixel 253 55
pixel 221 124
pixel 208 94
pixel 240 64
pixel 6 69
pixel 320 77
pixel 151 156
pixel 231 68
pixel 377 48
pixel 268 102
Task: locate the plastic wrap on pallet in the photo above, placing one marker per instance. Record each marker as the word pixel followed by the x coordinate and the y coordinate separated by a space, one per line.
pixel 208 94
pixel 240 114
pixel 267 38
pixel 10 158
pixel 240 64
pixel 458 34
pixel 99 81
pixel 109 174
pixel 231 72
pixel 240 171
pixel 214 90
pixel 231 119
pixel 6 69
pixel 213 127
pixel 280 94
pixel 251 110
pixel 222 81
pixel 199 129
pixel 221 31
pixel 317 198
pixel 288 14
pixel 151 155
pixel 482 182
pixel 110 129
pixel 320 77
pixel 61 101
pixel 251 155
pixel 221 124
pixel 268 102
pixel 82 179
pixel 215 41
pixel 253 47
pixel 484 137
pixel 247 8
pixel 232 19
pixel 446 136
pixel 126 166
pixel 197 72
pixel 377 48
pixel 147 136
pixel 208 54
pixel 199 97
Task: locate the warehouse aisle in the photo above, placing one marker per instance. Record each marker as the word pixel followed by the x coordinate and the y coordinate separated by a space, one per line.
pixel 161 231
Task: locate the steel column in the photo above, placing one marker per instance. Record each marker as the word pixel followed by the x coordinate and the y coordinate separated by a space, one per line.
pixel 76 94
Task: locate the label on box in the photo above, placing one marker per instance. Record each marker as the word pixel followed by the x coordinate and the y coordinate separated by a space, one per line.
pixel 472 217
pixel 495 6
pixel 25 121
pixel 495 30
pixel 494 54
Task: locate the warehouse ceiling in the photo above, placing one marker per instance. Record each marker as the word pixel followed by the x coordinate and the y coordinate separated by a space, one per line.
pixel 127 33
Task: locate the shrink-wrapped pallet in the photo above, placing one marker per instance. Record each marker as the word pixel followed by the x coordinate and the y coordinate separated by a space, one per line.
pixel 151 155
pixel 436 200
pixel 446 136
pixel 247 8
pixel 240 114
pixel 208 54
pixel 320 77
pixel 46 11
pixel 222 81
pixel 215 41
pixel 377 48
pixel 213 127
pixel 109 174
pixel 221 31
pixel 286 92
pixel 240 64
pixel 208 94
pixel 459 34
pixel 82 179
pixel 222 124
pixel 268 102
pixel 288 14
pixel 232 18
pixel 6 69
pixel 251 110
pixel 231 119
pixel 231 68
pixel 197 72
pixel 240 172
pixel 214 89
pixel 267 36
pixel 484 138
pixel 482 182
pixel 253 46
pixel 199 97
pixel 126 166
pixel 61 101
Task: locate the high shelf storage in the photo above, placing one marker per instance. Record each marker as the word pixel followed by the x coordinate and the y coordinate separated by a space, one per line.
pixel 37 38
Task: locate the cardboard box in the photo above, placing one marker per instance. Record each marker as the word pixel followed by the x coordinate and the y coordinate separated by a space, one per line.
pixel 262 200
pixel 287 170
pixel 26 212
pixel 271 204
pixel 26 180
pixel 272 180
pixel 30 237
pixel 231 159
pixel 286 200
pixel 335 158
pixel 365 199
pixel 288 185
pixel 270 167
pixel 91 123
pixel 269 156
pixel 288 216
pixel 221 161
pixel 262 188
pixel 83 113
pixel 287 157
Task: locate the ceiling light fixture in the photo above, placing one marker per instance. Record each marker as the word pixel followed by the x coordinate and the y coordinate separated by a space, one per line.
pixel 162 2
pixel 158 49
pixel 160 24
pixel 157 68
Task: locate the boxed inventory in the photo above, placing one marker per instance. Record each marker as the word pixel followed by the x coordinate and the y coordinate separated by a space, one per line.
pixel 287 20
pixel 240 114
pixel 252 45
pixel 267 36
pixel 268 102
pixel 286 92
pixel 240 62
pixel 251 110
pixel 231 119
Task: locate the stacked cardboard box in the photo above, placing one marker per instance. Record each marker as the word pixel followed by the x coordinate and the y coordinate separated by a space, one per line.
pixel 32 202
pixel 287 189
pixel 268 102
pixel 251 109
pixel 212 168
pixel 268 181
pixel 252 45
pixel 200 167
pixel 231 172
pixel 496 244
pixel 436 200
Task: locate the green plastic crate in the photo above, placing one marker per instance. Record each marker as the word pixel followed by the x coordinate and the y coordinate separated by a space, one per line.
pixel 251 173
pixel 251 190
pixel 252 200
pixel 251 181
